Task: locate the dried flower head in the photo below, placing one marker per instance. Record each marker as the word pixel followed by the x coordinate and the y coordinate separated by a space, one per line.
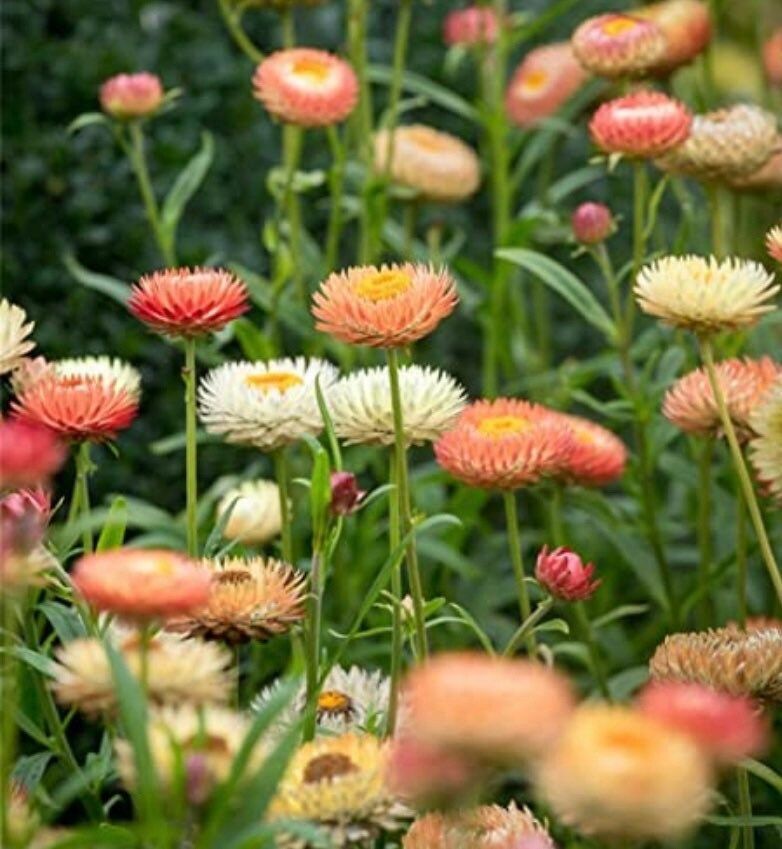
pixel 386 307
pixel 129 96
pixel 686 25
pixel 618 45
pixel 565 575
pixel 256 517
pixel 705 295
pixel 598 457
pixel 471 25
pixel 14 330
pixel 306 87
pixel 772 57
pixel 346 496
pixel 29 454
pixel 592 223
pixel 774 242
pixel 766 448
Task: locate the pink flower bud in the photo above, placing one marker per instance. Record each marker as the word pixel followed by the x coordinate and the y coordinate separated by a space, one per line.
pixel 198 779
pixel 24 516
pixel 131 95
pixel 564 575
pixel 592 223
pixel 346 497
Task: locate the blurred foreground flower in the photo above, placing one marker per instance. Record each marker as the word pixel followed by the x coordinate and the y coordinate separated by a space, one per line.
pixel 470 26
pixel 29 454
pixel 686 25
pixel 618 45
pixel 14 330
pixel 428 776
pixel 772 57
pixel 129 96
pixel 565 575
pixel 766 448
pixel 24 517
pixel 255 512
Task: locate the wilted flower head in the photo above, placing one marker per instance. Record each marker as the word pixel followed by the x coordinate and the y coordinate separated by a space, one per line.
pixel 686 25
pixel 774 242
pixel 346 497
pixel 546 79
pixel 592 223
pixel 14 330
pixel 386 307
pixel 618 773
pixel 472 25
pixel 598 456
pixel 29 454
pixel 128 96
pixel 306 87
pixel 705 295
pixel 772 57
pixel 641 124
pixel 728 728
pixel 766 448
pixel 188 302
pixel 565 575
pixel 437 165
pixel 618 45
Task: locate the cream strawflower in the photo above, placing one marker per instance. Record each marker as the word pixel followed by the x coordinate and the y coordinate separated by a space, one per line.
pixel 264 404
pixel 14 330
pixel 108 369
pixel 766 449
pixel 360 405
pixel 705 295
pixel 255 512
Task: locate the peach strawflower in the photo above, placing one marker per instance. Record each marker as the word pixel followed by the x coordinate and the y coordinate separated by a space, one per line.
pixel 128 96
pixel 774 242
pixel 546 79
pixel 592 223
pixel 565 575
pixel 188 302
pixel 616 773
pixel 29 454
pixel 306 87
pixel 505 444
pixel 14 330
pixel 486 827
pixel 438 166
pixel 386 307
pixel 141 585
pixel 618 45
pixel 686 25
pixel 489 708
pixel 690 402
pixel 642 124
pixel 429 831
pixel 598 457
pixel 766 448
pixel 427 775
pixel 772 57
pixel 729 728
pixel 472 25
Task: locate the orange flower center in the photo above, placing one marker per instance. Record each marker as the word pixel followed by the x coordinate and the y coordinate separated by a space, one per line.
pixel 583 435
pixel 334 702
pixel 496 427
pixel 267 381
pixel 618 26
pixel 627 740
pixel 426 139
pixel 383 285
pixel 311 70
pixel 534 81
pixel 328 766
pixel 160 565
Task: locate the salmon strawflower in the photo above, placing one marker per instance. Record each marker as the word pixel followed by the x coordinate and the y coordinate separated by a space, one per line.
pixel 642 124
pixel 565 575
pixel 141 585
pixel 505 444
pixel 14 330
pixel 690 402
pixel 255 517
pixel 188 302
pixel 387 307
pixel 618 45
pixel 129 96
pixel 766 448
pixel 728 728
pixel 439 167
pixel 774 242
pixel 306 87
pixel 598 457
pixel 29 454
pixel 772 57
pixel 546 79
pixel 472 25
pixel 687 27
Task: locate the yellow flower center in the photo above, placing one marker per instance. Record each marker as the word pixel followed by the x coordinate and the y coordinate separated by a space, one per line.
pixel 496 427
pixel 534 81
pixel 627 740
pixel 311 70
pixel 618 26
pixel 281 381
pixel 583 435
pixel 328 766
pixel 383 285
pixel 160 565
pixel 335 703
pixel 426 139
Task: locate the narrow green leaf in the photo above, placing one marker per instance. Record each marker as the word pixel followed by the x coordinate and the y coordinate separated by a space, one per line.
pixel 110 286
pixel 113 533
pixel 620 612
pixel 40 662
pixel 186 185
pixel 433 92
pixel 87 119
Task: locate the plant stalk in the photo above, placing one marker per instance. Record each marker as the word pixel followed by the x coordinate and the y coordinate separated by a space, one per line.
pixel 191 448
pixel 514 544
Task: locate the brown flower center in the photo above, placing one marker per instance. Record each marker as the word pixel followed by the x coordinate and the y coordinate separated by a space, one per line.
pixel 269 381
pixel 326 767
pixel 334 703
pixel 233 576
pixel 383 285
pixel 495 427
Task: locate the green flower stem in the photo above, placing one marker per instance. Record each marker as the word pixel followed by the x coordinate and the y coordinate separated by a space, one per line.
pixel 291 147
pixel 741 561
pixel 514 543
pixel 83 470
pixel 314 627
pixel 336 185
pixel 588 636
pixel 555 514
pixel 233 23
pixel 405 518
pixel 281 475
pixel 717 217
pixel 288 27
pixel 138 161
pixel 707 355
pixel 525 630
pixel 191 449
pixel 410 218
pixel 705 546
pixel 640 200
pixel 397 635
pixel 9 682
pixel 745 807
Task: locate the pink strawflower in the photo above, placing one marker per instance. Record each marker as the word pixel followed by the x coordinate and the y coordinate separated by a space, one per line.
pixel 774 242
pixel 563 573
pixel 131 95
pixel 473 25
pixel 592 223
pixel 346 496
pixel 686 25
pixel 24 516
pixel 618 45
pixel 29 454
pixel 427 775
pixel 598 457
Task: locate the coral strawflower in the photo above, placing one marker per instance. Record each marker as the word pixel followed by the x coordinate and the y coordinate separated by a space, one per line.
pixel 774 242
pixel 598 457
pixel 470 26
pixel 565 575
pixel 686 25
pixel 29 454
pixel 618 45
pixel 128 96
pixel 306 87
pixel 766 448
pixel 14 330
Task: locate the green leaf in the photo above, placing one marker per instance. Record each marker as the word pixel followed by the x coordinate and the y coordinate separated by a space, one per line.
pixel 216 534
pixel 40 662
pixel 186 185
pixel 433 92
pixel 113 533
pixel 87 119
pixel 620 612
pixel 110 286
pixel 65 620
pixel 764 773
pixel 29 769
pixel 255 344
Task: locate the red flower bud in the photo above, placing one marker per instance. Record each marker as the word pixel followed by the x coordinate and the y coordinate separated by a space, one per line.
pixel 592 223
pixel 564 575
pixel 346 497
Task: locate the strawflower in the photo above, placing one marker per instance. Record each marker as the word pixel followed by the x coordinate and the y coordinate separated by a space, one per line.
pixel 129 96
pixel 686 25
pixel 470 26
pixel 14 330
pixel 29 454
pixel 592 223
pixel 565 575
pixel 618 45
pixel 766 448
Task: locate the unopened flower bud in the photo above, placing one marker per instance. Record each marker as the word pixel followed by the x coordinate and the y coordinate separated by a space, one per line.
pixel 592 223
pixel 564 574
pixel 198 778
pixel 127 96
pixel 346 497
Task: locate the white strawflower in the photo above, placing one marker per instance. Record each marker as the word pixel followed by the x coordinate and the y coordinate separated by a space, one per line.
pixel 360 405
pixel 766 449
pixel 264 404
pixel 109 369
pixel 14 330
pixel 255 516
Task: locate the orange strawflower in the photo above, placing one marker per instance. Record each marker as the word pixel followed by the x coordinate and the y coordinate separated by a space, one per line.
pixel 598 457
pixel 386 307
pixel 618 45
pixel 686 25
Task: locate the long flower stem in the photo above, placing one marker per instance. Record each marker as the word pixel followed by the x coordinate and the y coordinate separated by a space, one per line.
pixel 403 496
pixel 191 449
pixel 145 639
pixel 291 145
pixel 336 185
pixel 397 635
pixel 312 658
pixel 707 355
pixel 640 196
pixel 741 561
pixel 588 636
pixel 281 475
pixel 232 19
pixel 514 543
pixel 745 807
pixel 83 469
pixel 8 703
pixel 705 546
pixel 288 27
pixel 525 629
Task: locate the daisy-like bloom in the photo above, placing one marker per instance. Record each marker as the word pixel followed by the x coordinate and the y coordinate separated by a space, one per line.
pixel 592 223
pixel 450 699
pixel 472 25
pixel 437 165
pixel 386 307
pixel 14 330
pixel 565 575
pixel 766 448
pixel 107 369
pixel 705 295
pixel 255 512
pixel 690 402
pixel 546 79
pixel 430 776
pixel 618 45
pixel 188 302
pixel 617 773
pixel 725 145
pixel 338 783
pixel 306 87
pixel 744 663
pixel 350 700
pixel 266 404
pixel 178 671
pixel 729 728
pixel 772 57
pixel 141 585
pixel 505 444
pixel 29 454
pixel 598 457
pixel 774 242
pixel 686 25
pixel 360 405
pixel 128 96
pixel 248 599
pixel 642 124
